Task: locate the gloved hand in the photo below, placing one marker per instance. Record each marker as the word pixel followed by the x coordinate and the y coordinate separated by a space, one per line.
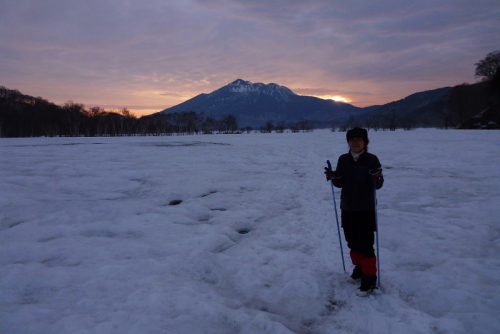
pixel 331 174
pixel 376 173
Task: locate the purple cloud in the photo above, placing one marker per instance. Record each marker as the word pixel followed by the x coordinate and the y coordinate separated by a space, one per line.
pixel 159 53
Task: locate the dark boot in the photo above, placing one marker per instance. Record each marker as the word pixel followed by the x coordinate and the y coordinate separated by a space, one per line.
pixel 368 283
pixel 357 273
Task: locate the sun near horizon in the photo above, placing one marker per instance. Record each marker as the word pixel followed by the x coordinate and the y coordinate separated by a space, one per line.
pixel 336 98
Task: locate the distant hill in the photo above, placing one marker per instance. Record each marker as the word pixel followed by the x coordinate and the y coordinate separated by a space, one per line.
pixel 424 108
pixel 254 104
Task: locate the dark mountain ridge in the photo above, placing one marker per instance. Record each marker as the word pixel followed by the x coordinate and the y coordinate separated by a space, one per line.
pixel 422 108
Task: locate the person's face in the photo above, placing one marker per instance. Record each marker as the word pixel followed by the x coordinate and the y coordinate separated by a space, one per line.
pixel 357 144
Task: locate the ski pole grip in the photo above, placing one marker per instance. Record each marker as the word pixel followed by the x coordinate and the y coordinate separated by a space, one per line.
pixel 329 165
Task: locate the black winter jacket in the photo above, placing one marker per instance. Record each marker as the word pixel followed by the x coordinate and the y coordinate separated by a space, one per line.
pixel 356 183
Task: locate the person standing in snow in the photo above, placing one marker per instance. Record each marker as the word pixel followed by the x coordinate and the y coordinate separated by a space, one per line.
pixel 357 173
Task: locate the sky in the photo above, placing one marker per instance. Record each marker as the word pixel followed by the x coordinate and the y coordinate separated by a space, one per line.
pixel 148 55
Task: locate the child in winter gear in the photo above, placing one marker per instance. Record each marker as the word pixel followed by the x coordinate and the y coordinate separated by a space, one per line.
pixel 357 173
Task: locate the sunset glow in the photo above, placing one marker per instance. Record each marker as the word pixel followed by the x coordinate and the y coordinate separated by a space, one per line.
pixel 149 58
pixel 335 98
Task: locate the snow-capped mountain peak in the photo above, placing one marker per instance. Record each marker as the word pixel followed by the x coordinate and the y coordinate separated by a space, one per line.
pixel 242 86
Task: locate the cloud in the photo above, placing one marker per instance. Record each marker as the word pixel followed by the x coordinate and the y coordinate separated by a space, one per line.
pixel 328 92
pixel 159 51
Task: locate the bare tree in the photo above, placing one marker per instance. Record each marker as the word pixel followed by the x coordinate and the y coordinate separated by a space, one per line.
pixel 127 113
pixel 74 117
pixel 351 122
pixel 447 116
pixel 294 127
pixel 230 123
pixel 489 66
pixel 392 120
pixel 370 122
pixel 209 125
pixel 408 123
pixel 305 125
pixel 99 122
pixel 268 128
pixel 280 127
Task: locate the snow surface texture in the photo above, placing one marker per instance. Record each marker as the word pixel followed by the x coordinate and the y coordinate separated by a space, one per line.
pixel 91 241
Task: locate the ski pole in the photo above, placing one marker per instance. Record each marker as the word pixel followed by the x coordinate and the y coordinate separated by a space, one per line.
pixel 336 216
pixel 376 231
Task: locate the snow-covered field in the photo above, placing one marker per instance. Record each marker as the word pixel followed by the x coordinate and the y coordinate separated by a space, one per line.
pixel 90 244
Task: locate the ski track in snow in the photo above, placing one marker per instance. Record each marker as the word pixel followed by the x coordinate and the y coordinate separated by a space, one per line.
pixel 91 241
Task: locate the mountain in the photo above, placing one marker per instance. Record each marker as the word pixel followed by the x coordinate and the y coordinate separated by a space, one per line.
pixel 254 104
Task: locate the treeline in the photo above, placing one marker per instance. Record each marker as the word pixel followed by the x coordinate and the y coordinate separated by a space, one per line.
pixel 391 121
pixel 26 116
pixel 303 125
